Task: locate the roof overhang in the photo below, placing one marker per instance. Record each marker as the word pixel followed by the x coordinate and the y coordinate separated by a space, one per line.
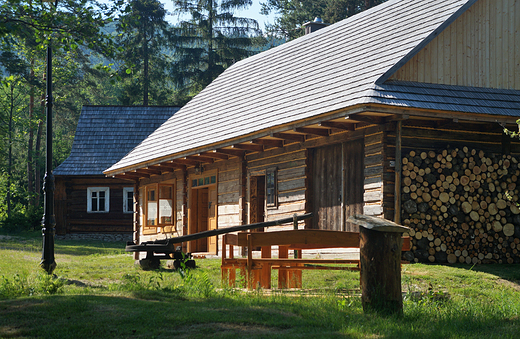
pixel 350 119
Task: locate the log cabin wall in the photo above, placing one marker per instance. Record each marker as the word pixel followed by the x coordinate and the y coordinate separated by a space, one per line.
pixel 459 192
pixel 71 206
pixel 229 194
pixel 289 164
pixel 379 171
pixel 471 51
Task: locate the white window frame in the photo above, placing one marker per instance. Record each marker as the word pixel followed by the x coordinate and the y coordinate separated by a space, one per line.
pixel 126 208
pixel 91 190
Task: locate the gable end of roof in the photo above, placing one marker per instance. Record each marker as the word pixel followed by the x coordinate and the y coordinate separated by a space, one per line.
pixel 425 42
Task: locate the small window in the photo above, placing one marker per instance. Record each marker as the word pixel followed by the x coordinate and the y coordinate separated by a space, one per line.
pixel 165 205
pixel 160 205
pixel 98 199
pixel 128 199
pixel 270 187
pixel 151 207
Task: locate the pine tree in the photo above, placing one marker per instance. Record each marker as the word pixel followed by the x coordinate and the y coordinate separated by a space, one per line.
pixel 144 39
pixel 292 14
pixel 211 40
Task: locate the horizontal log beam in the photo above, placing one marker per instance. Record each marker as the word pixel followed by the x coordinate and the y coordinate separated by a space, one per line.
pixel 126 176
pixel 339 125
pixel 250 147
pixel 203 159
pixel 234 152
pixel 289 136
pixel 269 142
pixel 313 131
pixel 167 245
pixel 215 155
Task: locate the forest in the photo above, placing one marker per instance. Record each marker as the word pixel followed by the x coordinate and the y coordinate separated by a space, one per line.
pixel 120 52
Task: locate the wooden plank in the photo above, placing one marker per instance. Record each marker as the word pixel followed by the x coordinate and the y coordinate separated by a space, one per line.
pixel 398 164
pixel 511 44
pixel 228 197
pixel 517 46
pixel 499 52
pixel 447 135
pixel 307 237
pixel 228 175
pixel 373 210
pixel 378 224
pixel 291 196
pixel 446 51
pixel 440 58
pixel 283 164
pixel 289 173
pixel 327 187
pixel 371 160
pixel 290 185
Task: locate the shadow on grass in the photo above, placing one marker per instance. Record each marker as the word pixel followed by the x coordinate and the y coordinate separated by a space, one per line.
pixel 504 271
pixel 66 247
pixel 250 316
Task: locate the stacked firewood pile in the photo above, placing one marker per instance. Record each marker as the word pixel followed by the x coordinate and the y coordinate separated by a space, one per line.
pixel 462 206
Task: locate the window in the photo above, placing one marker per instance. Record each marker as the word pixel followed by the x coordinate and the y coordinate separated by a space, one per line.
pixel 270 187
pixel 98 199
pixel 165 205
pixel 151 206
pixel 159 205
pixel 204 181
pixel 128 199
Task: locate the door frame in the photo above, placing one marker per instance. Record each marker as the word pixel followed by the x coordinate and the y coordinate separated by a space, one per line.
pixel 209 182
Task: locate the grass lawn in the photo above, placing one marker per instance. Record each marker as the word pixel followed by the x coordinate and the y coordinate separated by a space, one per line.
pixel 99 293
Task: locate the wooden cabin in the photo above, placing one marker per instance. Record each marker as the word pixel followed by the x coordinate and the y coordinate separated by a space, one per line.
pixel 396 112
pixel 87 203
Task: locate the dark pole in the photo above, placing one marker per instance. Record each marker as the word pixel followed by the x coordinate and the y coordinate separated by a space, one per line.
pixel 48 222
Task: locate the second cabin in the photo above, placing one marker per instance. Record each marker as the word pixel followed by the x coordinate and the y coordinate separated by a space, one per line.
pixel 397 112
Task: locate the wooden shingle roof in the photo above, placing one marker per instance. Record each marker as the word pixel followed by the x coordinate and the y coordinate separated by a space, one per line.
pixel 329 70
pixel 105 134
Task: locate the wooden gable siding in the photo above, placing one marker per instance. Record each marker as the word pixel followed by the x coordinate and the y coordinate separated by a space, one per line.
pixel 480 49
pixel 71 206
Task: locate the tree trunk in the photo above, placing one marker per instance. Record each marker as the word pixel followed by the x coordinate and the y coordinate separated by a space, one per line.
pixel 37 167
pixel 30 167
pixel 10 152
pixel 146 75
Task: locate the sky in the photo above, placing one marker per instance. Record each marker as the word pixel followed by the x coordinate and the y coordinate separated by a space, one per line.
pixel 252 12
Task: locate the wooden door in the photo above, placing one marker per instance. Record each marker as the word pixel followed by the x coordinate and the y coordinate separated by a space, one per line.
pixel 257 199
pixel 327 187
pixel 212 218
pixel 353 161
pixel 337 187
pixel 202 220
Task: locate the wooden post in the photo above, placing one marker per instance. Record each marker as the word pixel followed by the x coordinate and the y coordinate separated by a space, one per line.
pixel 295 276
pixel 398 168
pixel 137 218
pixel 380 258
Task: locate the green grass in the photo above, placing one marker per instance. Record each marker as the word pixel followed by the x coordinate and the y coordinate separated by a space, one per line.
pixel 99 293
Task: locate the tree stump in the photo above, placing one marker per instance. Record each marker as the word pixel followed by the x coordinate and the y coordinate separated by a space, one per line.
pixel 380 259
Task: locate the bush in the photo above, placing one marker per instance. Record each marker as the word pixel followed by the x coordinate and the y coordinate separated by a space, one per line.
pixel 18 222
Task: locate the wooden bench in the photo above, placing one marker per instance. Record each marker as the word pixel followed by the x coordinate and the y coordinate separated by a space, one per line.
pixel 257 271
